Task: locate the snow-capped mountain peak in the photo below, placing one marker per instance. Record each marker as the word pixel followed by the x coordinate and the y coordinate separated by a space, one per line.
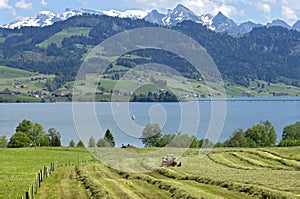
pixel 173 16
pixel 133 14
pixel 218 23
pixel 223 23
pixel 43 18
pixel 46 18
pixel 155 17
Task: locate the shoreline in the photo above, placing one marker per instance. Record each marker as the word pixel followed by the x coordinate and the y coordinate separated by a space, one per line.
pixel 227 99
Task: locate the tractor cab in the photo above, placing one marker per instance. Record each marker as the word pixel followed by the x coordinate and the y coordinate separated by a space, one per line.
pixel 169 160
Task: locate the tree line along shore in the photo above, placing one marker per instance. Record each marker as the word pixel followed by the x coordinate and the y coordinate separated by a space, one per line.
pixel 30 134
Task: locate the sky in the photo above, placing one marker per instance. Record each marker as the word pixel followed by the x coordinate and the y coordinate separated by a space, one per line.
pixel 259 11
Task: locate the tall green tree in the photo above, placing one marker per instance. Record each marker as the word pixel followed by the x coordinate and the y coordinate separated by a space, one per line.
pixel 262 134
pixel 54 137
pixel 55 141
pixel 19 139
pixel 151 134
pixel 165 140
pixel 237 139
pixel 205 143
pixel 103 143
pixel 72 143
pixel 109 138
pixel 39 136
pixel 35 132
pixel 291 132
pixel 25 126
pixel 3 141
pixel 80 144
pixel 92 142
pixel 195 143
pixel 291 135
pixel 181 141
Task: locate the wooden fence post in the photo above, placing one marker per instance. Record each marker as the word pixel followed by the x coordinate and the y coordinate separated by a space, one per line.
pixel 37 185
pixel 32 192
pixel 27 195
pixel 41 172
pixel 39 179
pixel 45 171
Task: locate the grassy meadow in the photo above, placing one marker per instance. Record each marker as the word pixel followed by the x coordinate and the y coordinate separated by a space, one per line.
pixel 137 173
pixel 19 167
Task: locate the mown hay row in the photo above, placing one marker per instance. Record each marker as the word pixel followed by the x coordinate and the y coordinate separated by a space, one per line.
pixel 286 162
pixel 176 192
pixel 252 161
pixel 279 155
pixel 227 163
pixel 95 190
pixel 252 190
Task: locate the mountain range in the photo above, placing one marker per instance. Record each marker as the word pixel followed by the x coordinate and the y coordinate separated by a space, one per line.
pixel 266 53
pixel 218 23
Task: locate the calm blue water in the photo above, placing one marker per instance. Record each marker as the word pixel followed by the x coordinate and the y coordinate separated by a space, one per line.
pixel 239 114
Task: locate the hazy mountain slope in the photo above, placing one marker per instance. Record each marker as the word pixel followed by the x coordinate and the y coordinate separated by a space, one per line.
pixel 270 54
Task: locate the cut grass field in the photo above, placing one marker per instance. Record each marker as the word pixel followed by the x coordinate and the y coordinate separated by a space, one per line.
pixel 63 183
pixel 19 167
pixel 224 173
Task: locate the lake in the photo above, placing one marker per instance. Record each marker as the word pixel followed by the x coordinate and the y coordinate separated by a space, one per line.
pixel 125 121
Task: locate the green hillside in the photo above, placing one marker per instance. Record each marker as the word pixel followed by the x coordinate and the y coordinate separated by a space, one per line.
pixel 264 54
pixel 57 38
pixel 22 86
pixel 7 72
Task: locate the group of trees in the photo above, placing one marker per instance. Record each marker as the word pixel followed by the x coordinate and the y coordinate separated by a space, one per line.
pixel 166 96
pixel 291 135
pixel 3 141
pixel 152 137
pixel 263 135
pixel 107 141
pixel 80 144
pixel 260 135
pixel 31 134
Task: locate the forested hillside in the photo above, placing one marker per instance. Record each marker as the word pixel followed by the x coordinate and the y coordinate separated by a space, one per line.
pixel 270 54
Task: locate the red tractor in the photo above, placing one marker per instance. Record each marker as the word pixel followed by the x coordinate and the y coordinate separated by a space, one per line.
pixel 169 160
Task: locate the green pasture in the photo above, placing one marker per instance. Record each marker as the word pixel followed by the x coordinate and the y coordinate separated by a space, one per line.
pixel 19 167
